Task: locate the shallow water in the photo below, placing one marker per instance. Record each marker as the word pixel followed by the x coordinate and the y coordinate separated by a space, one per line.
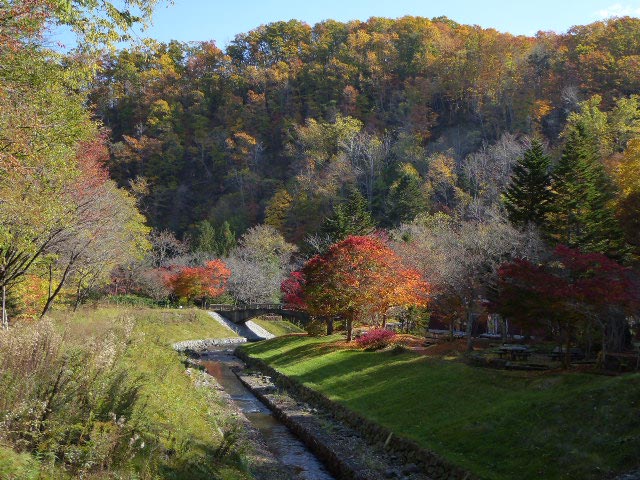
pixel 281 442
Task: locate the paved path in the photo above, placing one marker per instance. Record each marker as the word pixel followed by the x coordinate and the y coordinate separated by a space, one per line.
pixel 258 330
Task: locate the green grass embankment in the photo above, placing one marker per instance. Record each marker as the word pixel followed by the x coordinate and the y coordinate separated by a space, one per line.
pixel 497 424
pixel 179 425
pixel 187 421
pixel 277 327
pixel 20 466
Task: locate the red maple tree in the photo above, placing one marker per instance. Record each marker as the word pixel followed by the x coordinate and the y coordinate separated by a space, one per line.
pixel 567 292
pixel 292 289
pixel 355 277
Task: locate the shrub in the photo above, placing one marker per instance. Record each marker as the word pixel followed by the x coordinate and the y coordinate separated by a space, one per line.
pixel 399 349
pixel 375 339
pixel 315 328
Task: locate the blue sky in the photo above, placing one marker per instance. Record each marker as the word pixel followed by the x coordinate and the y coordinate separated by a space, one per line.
pixel 221 20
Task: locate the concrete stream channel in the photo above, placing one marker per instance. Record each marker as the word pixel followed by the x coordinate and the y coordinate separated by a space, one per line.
pixel 290 457
pixel 284 445
pixel 296 440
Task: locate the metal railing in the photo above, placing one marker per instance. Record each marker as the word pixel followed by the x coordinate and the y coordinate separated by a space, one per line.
pixel 251 306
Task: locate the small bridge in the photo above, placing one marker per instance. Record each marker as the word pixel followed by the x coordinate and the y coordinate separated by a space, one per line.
pixel 242 313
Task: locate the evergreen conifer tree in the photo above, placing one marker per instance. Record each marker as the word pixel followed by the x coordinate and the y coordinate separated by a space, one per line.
pixel 349 218
pixel 206 237
pixel 406 199
pixel 582 212
pixel 528 196
pixel 226 239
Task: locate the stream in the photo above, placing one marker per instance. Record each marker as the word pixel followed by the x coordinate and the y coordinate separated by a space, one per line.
pixel 281 442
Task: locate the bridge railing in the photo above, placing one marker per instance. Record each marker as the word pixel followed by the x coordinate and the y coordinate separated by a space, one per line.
pixel 251 306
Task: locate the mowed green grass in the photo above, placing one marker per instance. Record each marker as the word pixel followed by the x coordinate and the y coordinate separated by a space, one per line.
pixel 277 327
pixel 498 424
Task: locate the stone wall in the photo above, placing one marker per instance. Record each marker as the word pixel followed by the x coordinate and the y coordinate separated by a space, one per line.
pixel 200 346
pixel 336 455
pixel 407 450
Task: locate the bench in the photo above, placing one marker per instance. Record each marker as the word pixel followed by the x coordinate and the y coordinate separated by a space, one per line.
pixel 514 352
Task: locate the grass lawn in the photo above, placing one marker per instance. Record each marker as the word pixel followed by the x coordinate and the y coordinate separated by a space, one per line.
pixel 20 466
pixel 187 421
pixel 277 327
pixel 498 424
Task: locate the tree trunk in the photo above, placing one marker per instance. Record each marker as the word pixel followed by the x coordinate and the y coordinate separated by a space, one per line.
pixel 384 320
pixel 503 329
pixel 77 302
pixel 5 320
pixel 349 328
pixel 54 294
pixel 589 340
pixel 50 280
pixel 616 331
pixel 567 354
pixel 603 352
pixel 469 330
pixel 329 323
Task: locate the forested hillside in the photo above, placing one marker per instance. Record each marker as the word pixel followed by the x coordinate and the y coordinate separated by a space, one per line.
pixel 443 180
pixel 421 115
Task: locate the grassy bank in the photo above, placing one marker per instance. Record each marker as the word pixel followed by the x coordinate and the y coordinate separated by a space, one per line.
pixel 277 327
pixel 498 424
pixel 125 407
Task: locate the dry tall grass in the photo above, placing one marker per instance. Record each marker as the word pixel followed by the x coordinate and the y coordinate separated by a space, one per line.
pixel 66 397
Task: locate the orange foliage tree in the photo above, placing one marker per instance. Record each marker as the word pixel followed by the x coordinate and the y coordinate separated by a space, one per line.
pixel 198 282
pixel 358 276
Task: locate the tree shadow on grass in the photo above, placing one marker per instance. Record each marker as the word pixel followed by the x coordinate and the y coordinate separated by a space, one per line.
pixel 278 358
pixel 471 413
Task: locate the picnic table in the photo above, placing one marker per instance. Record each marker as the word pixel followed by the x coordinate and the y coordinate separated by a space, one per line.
pixel 514 352
pixel 559 353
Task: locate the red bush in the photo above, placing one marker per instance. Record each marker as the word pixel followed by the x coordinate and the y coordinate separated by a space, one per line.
pixel 375 339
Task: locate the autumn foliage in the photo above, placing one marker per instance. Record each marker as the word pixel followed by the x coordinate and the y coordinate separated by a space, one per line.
pixel 354 278
pixel 567 292
pixel 198 282
pixel 292 289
